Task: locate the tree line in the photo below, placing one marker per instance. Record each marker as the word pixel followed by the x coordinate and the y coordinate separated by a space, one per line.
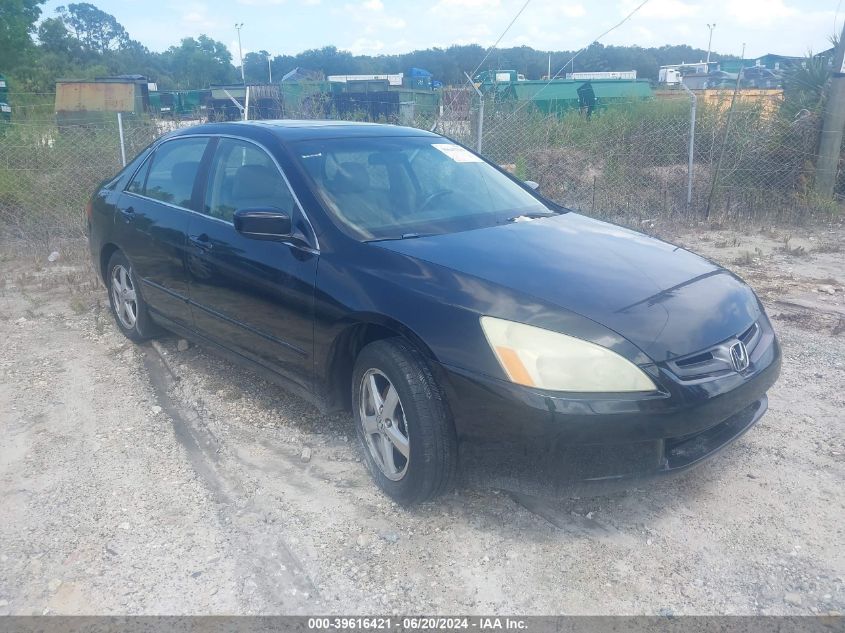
pixel 81 41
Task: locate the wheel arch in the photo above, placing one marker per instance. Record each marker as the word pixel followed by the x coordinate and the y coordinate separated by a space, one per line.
pixel 361 330
pixel 106 253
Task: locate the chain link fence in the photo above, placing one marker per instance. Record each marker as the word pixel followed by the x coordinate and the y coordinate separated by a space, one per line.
pixel 47 173
pixel 627 161
pixel 637 160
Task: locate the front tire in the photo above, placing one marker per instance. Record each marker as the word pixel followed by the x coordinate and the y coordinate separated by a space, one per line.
pixel 127 305
pixel 403 423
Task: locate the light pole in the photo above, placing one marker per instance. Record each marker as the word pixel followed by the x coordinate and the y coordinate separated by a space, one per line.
pixel 709 42
pixel 238 27
pixel 269 68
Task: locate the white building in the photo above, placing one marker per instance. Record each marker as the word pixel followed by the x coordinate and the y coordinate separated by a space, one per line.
pixel 611 74
pixel 673 73
pixel 392 80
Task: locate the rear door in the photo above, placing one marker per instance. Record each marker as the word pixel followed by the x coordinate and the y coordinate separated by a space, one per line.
pixel 253 296
pixel 153 224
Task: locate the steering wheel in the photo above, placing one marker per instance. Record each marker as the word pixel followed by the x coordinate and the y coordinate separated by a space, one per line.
pixel 434 196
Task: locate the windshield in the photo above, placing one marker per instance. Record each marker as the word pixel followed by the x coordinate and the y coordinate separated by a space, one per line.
pixel 390 188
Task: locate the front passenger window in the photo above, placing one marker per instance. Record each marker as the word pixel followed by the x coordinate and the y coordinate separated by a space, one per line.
pixel 243 176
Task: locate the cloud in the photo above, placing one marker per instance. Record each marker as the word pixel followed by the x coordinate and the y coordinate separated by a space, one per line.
pixel 196 18
pixel 789 27
pixel 573 10
pixel 368 18
pixel 364 46
pixel 481 9
pixel 260 3
pixel 467 4
pixel 666 9
pixel 760 12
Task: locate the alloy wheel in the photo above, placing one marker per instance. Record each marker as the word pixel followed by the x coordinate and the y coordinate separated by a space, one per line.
pixel 384 424
pixel 124 298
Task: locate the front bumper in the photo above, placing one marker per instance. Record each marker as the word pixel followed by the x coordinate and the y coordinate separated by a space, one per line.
pixel 535 442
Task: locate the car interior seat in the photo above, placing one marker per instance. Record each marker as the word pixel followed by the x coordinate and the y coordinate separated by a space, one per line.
pixel 357 201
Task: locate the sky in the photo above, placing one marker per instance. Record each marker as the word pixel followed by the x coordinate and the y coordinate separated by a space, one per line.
pixel 787 27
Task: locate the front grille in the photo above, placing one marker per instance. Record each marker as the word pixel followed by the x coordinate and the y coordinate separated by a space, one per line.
pixel 695 360
pixel 715 361
pixel 750 337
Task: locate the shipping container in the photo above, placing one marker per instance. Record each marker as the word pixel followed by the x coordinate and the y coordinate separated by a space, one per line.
pixel 5 108
pixel 87 101
pixel 227 102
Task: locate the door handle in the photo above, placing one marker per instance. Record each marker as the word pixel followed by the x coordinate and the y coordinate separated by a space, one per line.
pixel 128 213
pixel 202 242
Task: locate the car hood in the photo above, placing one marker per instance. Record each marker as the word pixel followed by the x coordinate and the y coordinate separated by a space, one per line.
pixel 663 299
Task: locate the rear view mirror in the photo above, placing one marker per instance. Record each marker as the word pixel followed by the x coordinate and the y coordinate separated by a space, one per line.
pixel 535 186
pixel 265 223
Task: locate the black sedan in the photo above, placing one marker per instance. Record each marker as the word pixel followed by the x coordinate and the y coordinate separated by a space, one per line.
pixel 470 325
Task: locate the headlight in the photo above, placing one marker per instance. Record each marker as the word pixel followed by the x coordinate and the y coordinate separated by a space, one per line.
pixel 535 357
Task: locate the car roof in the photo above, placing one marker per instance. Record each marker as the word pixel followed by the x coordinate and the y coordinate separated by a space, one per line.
pixel 288 130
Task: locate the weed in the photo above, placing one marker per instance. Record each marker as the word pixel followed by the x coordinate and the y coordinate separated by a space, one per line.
pixel 99 317
pixel 746 259
pixel 727 243
pixel 828 247
pixel 794 251
pixel 78 305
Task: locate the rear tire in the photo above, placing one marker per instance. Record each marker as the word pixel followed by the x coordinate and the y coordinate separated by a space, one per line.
pixel 127 305
pixel 413 419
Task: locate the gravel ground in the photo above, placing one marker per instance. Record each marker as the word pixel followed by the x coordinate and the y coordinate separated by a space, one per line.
pixel 154 480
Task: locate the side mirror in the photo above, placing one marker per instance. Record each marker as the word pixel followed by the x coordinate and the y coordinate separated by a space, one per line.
pixel 534 186
pixel 265 223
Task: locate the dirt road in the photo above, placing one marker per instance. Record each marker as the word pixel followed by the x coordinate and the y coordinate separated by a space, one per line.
pixel 155 481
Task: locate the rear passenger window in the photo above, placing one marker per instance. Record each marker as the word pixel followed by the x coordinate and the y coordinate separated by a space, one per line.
pixel 243 176
pixel 137 184
pixel 173 170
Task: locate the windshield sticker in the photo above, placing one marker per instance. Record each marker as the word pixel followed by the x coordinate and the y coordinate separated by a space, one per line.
pixel 457 153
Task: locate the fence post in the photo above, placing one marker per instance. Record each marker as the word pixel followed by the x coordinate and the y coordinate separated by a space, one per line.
pixel 480 112
pixel 691 165
pixel 122 140
pixel 480 120
pixel 715 179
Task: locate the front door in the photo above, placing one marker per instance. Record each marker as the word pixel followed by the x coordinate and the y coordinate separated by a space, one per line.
pixel 153 224
pixel 255 297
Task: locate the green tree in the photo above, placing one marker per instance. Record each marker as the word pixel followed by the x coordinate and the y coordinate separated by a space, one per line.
pixel 805 86
pixel 255 67
pixel 17 24
pixel 96 30
pixel 197 63
pixel 54 38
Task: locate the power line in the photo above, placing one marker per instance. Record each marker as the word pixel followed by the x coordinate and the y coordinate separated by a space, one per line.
pixel 501 37
pixel 578 52
pixel 489 50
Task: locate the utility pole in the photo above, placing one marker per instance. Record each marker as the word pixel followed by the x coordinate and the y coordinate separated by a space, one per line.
pixel 709 42
pixel 238 27
pixel 830 144
pixel 269 68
